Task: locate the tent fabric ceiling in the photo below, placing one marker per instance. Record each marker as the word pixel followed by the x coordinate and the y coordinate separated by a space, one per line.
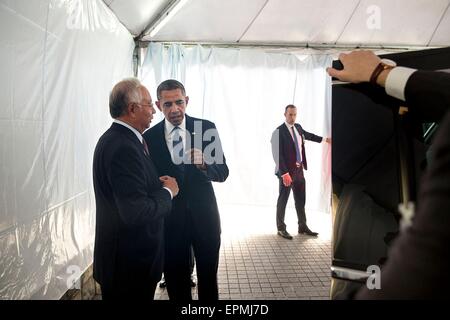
pixel 136 14
pixel 376 23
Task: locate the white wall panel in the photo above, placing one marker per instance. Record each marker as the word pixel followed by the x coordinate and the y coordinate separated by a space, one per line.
pixel 61 59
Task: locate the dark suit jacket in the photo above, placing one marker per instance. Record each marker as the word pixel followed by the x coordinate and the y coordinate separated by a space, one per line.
pixel 283 148
pixel 131 205
pixel 196 191
pixel 419 261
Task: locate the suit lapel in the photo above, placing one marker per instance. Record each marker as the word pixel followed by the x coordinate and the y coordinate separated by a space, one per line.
pixel 286 133
pixel 129 135
pixel 190 129
pixel 300 131
pixel 162 144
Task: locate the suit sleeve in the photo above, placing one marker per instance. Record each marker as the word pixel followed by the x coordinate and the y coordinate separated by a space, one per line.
pixel 136 204
pixel 277 152
pixel 427 94
pixel 419 262
pixel 310 136
pixel 216 165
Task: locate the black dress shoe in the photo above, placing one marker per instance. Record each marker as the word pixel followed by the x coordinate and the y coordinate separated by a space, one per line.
pixel 308 232
pixel 285 235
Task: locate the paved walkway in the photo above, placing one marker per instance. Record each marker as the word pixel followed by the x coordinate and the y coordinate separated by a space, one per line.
pixel 255 263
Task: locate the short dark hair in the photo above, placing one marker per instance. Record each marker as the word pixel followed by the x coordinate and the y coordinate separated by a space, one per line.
pixel 125 92
pixel 170 84
pixel 289 106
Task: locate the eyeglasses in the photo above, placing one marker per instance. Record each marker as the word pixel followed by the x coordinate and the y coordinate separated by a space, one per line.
pixel 145 104
pixel 179 103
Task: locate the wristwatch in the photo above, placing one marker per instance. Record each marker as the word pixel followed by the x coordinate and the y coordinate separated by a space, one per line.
pixel 385 64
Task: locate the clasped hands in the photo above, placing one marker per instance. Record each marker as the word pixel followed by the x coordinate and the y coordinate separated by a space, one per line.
pixel 171 183
pixel 197 158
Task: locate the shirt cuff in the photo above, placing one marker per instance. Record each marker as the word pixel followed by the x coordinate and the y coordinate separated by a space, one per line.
pixel 170 192
pixel 396 82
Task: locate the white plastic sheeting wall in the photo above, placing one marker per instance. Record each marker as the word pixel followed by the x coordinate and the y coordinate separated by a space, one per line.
pixel 245 91
pixel 59 60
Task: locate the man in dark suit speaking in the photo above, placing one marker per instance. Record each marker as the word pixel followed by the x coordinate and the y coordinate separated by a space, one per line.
pixel 131 200
pixel 189 149
pixel 288 150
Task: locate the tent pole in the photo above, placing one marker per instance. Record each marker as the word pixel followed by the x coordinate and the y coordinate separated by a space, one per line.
pixel 136 59
pixel 290 46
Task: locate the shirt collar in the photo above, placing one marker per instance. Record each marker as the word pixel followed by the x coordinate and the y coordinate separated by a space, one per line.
pixel 137 133
pixel 289 125
pixel 169 127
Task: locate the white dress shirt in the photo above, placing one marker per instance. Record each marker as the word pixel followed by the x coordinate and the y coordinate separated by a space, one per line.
pixel 396 81
pixel 299 138
pixel 169 134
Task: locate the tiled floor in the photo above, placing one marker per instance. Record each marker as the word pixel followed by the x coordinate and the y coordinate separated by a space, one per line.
pixel 255 263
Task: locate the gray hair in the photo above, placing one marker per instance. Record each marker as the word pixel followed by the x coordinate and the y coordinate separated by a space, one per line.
pixel 125 92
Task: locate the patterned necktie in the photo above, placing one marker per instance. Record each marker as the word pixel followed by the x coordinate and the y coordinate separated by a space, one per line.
pixel 146 152
pixel 297 149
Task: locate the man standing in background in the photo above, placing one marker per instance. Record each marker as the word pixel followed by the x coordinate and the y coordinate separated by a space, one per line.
pixel 288 150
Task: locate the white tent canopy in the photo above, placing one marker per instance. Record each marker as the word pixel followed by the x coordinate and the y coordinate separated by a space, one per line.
pixel 59 60
pixel 334 23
